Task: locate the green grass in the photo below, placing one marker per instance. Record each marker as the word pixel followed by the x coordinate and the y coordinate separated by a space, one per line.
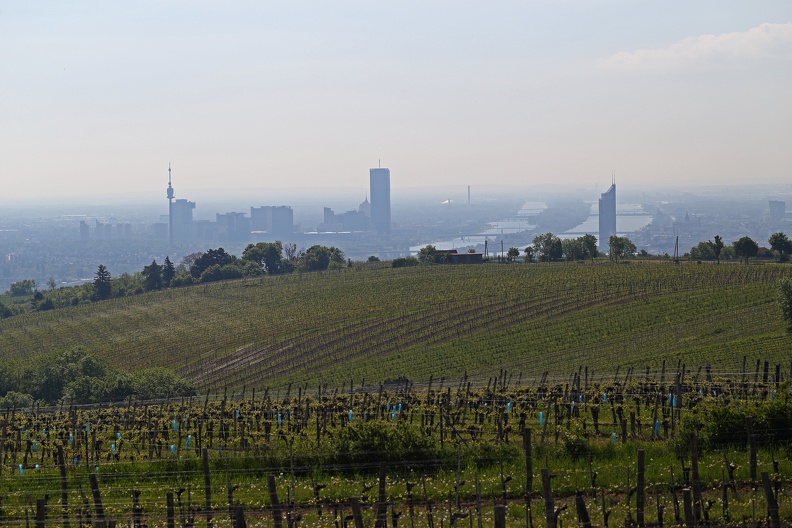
pixel 371 324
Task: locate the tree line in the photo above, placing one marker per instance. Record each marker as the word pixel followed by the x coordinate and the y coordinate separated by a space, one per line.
pixel 745 248
pixel 76 377
pixel 263 258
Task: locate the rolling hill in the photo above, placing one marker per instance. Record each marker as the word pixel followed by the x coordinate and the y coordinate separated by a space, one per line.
pixel 366 325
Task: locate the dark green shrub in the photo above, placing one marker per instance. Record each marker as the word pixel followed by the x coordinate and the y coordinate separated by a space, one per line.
pixel 724 424
pixel 403 262
pixel 365 443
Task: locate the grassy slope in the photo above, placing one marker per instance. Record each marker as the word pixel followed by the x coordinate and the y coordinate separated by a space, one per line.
pixel 381 323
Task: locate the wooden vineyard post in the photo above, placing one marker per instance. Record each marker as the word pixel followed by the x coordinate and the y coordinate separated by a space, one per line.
pixel 752 444
pixel 64 487
pixel 640 495
pixel 478 500
pixel 207 487
pixel 772 504
pixel 41 513
pixel 550 516
pixel 582 512
pixel 230 490
pixel 137 510
pixel 171 511
pixel 277 515
pixel 100 518
pixel 686 498
pixel 677 517
pixel 239 517
pixel 660 508
pixel 356 513
pixel 724 496
pixel 500 516
pixel 528 475
pixel 382 504
pixel 696 483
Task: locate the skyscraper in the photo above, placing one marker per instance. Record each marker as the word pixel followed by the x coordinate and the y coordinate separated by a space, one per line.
pixel 180 216
pixel 182 220
pixel 275 220
pixel 379 188
pixel 607 215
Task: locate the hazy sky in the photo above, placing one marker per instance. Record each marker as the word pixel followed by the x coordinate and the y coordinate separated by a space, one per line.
pixel 101 95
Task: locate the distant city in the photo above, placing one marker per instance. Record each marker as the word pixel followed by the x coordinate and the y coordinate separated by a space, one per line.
pixel 66 248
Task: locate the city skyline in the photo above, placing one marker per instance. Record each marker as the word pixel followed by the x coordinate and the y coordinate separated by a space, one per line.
pixel 272 96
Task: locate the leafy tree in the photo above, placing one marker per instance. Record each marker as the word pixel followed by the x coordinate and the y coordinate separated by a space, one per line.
pixel 717 247
pixel 745 248
pixel 18 400
pixel 785 300
pixel 211 274
pixel 269 255
pixel 589 243
pixel 548 247
pixel 373 258
pixel 318 258
pixel 573 249
pixel 426 253
pixel 168 272
pixel 48 380
pixel 620 247
pixel 37 298
pixel 512 254
pixel 702 251
pixel 22 288
pixel 290 250
pixel 103 283
pixel 46 304
pixel 213 257
pixel 781 244
pixel 529 254
pixel 128 284
pixel 51 284
pixel 152 276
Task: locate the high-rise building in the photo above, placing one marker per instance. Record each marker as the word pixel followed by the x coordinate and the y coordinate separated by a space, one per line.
pixel 607 215
pixel 182 220
pixel 777 211
pixel 275 220
pixel 379 188
pixel 233 227
pixel 181 227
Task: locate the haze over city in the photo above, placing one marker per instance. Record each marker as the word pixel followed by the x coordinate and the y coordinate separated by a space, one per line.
pixel 99 97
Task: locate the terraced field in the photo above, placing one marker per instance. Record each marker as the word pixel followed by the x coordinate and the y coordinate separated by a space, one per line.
pixel 365 325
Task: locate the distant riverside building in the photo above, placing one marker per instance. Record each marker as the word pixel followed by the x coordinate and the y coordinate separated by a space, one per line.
pixel 607 216
pixel 379 188
pixel 275 220
pixel 777 211
pixel 84 230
